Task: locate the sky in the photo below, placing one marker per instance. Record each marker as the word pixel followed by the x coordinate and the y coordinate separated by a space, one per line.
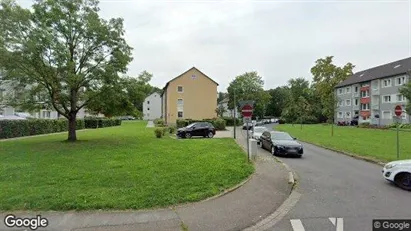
pixel 278 39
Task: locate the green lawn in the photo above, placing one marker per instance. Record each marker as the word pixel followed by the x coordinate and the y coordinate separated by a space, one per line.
pixel 122 167
pixel 372 143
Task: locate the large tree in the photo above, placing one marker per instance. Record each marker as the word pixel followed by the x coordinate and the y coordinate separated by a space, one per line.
pixel 249 86
pixel 297 107
pixel 63 48
pixel 278 100
pixel 326 76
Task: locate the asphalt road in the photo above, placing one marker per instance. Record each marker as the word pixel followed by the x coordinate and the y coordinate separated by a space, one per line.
pixel 337 186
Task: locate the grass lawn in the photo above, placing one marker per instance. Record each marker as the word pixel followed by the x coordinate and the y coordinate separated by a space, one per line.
pixel 122 167
pixel 377 144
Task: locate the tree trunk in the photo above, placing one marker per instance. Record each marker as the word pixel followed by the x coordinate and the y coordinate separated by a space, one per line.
pixel 72 136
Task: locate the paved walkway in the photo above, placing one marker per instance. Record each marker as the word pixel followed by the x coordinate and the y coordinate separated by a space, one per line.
pixel 150 124
pixel 265 191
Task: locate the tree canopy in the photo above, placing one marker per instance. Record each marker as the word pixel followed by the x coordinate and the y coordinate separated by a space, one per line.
pixel 64 49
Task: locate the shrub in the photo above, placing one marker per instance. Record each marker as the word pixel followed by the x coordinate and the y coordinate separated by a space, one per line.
pixel 219 124
pixel 182 123
pixel 165 130
pixel 158 132
pixel 172 129
pixel 230 121
pixel 95 122
pixel 364 125
pixel 159 122
pixel 19 128
pixel 281 121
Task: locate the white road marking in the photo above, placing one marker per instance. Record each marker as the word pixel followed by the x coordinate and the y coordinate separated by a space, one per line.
pixel 297 225
pixel 333 220
pixel 338 223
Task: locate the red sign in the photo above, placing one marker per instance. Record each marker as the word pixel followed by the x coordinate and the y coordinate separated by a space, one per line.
pixel 247 111
pixel 398 110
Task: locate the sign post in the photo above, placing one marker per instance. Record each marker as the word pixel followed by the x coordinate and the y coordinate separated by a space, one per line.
pixel 398 113
pixel 247 112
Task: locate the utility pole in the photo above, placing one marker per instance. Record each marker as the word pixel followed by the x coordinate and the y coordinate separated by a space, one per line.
pixel 235 117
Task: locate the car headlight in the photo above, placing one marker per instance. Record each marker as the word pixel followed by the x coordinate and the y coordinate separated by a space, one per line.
pixel 389 166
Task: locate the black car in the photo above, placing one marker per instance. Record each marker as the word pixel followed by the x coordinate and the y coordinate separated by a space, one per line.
pixel 354 121
pixel 280 143
pixel 204 129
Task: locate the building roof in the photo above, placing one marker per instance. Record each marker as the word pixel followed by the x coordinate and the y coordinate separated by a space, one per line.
pixel 399 67
pixel 165 87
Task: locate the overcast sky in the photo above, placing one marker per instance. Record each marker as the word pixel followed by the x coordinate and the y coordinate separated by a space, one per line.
pixel 278 39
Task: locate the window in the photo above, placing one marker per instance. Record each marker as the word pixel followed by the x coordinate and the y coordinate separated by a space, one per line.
pixel 365 107
pixel 386 83
pixel 386 115
pixel 400 98
pixel 356 101
pixel 1 112
pixel 180 102
pixel 340 115
pixel 400 81
pixel 386 99
pixel 340 103
pixel 348 114
pixel 347 102
pixel 180 89
pixel 365 94
pixel 365 85
pixel 148 109
pixel 348 89
pixel 148 102
pixel 356 89
pixel 340 91
pixel 180 114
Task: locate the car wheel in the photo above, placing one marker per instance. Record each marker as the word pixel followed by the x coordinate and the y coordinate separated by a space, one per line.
pixel 188 135
pixel 210 135
pixel 403 180
pixel 273 150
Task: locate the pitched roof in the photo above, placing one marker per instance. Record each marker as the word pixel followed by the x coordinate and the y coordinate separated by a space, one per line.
pixel 165 87
pixel 386 70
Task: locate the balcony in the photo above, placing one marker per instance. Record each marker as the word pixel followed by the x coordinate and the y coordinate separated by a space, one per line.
pixel 375 92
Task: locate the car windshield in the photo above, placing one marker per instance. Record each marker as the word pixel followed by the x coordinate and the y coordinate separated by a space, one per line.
pixel 281 136
pixel 259 129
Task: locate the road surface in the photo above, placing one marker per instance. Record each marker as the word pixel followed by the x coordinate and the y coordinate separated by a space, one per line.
pixel 340 193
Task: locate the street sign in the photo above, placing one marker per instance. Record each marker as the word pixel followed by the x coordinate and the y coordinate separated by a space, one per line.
pixel 398 110
pixel 247 111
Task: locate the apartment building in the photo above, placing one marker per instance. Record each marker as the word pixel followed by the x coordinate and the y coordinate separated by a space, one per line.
pixel 371 95
pixel 152 107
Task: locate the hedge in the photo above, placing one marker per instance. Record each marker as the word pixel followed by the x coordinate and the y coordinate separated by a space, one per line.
pixel 229 121
pixel 101 122
pixel 219 124
pixel 19 128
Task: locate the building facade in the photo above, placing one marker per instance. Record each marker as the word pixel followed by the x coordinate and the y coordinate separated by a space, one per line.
pixel 191 95
pixel 152 107
pixel 228 112
pixel 371 95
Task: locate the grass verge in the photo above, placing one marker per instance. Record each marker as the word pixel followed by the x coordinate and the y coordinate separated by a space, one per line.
pixel 380 145
pixel 122 167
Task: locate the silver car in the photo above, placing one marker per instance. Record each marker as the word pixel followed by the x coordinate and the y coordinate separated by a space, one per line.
pixel 258 131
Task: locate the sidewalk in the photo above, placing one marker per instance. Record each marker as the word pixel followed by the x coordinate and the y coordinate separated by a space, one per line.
pixel 266 190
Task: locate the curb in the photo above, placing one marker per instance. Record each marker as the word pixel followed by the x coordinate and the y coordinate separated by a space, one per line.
pixel 358 157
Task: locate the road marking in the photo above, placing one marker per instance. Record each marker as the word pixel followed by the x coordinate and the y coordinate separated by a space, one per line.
pixel 297 225
pixel 338 223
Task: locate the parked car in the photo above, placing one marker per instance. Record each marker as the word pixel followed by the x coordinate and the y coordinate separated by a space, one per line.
pixel 280 143
pixel 399 173
pixel 267 121
pixel 354 121
pixel 249 125
pixel 258 131
pixel 204 129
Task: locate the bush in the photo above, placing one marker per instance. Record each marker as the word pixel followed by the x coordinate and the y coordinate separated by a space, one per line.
pixel 230 121
pixel 219 124
pixel 165 130
pixel 158 132
pixel 281 121
pixel 172 129
pixel 364 125
pixel 95 122
pixel 19 128
pixel 159 122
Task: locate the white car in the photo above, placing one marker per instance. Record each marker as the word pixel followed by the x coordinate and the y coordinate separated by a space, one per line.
pixel 398 172
pixel 258 131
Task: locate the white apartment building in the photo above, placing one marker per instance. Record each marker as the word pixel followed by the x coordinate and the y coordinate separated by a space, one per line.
pixel 152 107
